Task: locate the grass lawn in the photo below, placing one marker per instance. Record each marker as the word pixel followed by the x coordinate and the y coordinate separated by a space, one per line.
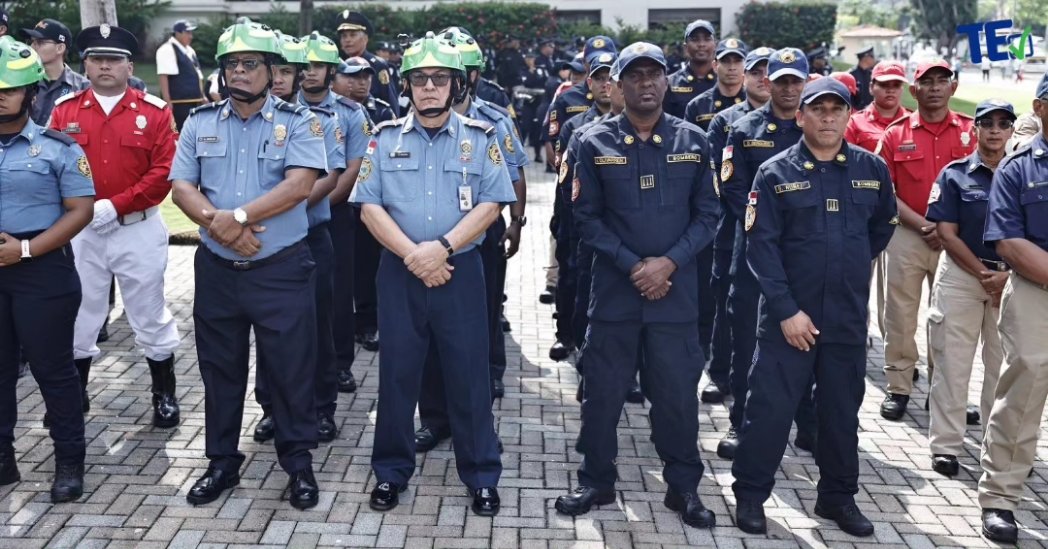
pixel 180 229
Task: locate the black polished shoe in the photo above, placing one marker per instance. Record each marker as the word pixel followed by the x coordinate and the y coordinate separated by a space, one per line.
pixel 103 334
pixel 806 441
pixel 210 486
pixel 580 500
pixel 560 350
pixel 506 326
pixel 848 518
pixel 486 502
pixel 580 393
pixel 726 447
pixel 972 415
pixel 635 395
pixel 8 467
pixel 346 382
pixel 999 525
pixel 166 413
pixel 265 429
pixel 894 406
pixel 369 341
pixel 302 489
pixel 498 388
pixel 690 509
pixel 714 393
pixel 946 465
pixel 749 517
pixel 547 296
pixel 916 374
pixel 326 428
pixel 427 439
pixel 386 496
pixel 69 482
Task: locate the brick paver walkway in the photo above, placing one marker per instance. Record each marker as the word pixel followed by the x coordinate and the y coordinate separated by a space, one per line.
pixel 137 476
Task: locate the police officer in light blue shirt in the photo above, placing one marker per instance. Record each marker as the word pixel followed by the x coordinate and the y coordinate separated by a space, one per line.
pixel 46 198
pixel 243 171
pixel 430 185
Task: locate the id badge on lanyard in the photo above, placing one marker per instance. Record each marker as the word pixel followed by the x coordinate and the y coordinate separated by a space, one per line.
pixel 465 194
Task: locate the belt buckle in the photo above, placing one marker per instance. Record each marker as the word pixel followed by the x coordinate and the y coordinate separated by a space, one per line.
pixel 241 265
pixel 124 219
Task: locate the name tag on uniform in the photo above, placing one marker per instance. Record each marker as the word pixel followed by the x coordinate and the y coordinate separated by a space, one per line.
pixel 681 89
pixel 795 186
pixel 871 184
pixel 400 154
pixel 687 157
pixel 577 108
pixel 207 139
pixel 704 117
pixel 647 182
pixel 758 143
pixel 465 198
pixel 908 147
pixel 609 160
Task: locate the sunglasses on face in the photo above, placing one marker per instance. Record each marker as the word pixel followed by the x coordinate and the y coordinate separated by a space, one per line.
pixel 988 123
pixel 419 79
pixel 248 64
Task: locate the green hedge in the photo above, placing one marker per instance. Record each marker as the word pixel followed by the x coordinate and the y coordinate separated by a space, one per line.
pixel 801 24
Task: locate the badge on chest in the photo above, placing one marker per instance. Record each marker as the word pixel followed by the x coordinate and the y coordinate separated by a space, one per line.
pixel 647 182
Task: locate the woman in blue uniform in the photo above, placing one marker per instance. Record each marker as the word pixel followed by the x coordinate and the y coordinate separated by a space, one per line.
pixel 46 197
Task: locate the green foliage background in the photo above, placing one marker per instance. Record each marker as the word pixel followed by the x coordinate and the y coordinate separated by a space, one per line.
pixel 798 24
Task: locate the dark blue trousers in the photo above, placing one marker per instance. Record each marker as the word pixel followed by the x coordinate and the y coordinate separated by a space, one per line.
pixel 669 376
pixel 780 378
pixel 493 257
pixel 277 301
pixel 567 284
pixel 343 322
pixel 38 306
pixel 580 318
pixel 365 267
pixel 707 302
pixel 453 317
pixel 319 242
pixel 720 344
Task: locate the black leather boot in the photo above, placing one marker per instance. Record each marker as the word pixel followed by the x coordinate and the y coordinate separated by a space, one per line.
pixel 8 467
pixel 165 406
pixel 69 482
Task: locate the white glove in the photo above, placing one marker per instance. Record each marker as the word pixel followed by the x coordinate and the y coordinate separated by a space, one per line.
pixel 105 219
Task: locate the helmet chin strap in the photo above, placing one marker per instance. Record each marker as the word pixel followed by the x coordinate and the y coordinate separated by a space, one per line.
pixel 434 112
pixel 27 102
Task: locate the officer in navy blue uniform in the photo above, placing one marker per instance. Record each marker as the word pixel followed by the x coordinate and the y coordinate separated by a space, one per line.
pixel 243 170
pixel 697 76
pixel 46 198
pixel 754 139
pixel 817 215
pixel 576 99
pixel 431 281
pixel 377 109
pixel 729 91
pixel 644 200
pixel 722 377
pixel 354 31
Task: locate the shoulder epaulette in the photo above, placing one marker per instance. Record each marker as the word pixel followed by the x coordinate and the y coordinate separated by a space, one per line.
pixel 387 124
pixel 322 110
pixel 381 102
pixel 58 136
pixel 288 107
pixel 154 101
pixel 206 107
pixel 905 119
pixel 345 101
pixel 479 124
pixel 494 85
pixel 964 115
pixel 501 110
pixel 958 162
pixel 67 97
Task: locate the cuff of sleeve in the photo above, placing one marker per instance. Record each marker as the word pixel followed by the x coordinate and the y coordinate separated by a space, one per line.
pixel 997 236
pixel 678 258
pixel 782 307
pixel 626 259
pixel 365 200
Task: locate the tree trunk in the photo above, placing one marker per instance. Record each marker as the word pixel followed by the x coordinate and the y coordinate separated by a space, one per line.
pixel 96 12
pixel 305 17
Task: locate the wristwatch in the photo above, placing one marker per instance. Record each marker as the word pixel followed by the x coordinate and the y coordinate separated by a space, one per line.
pixel 240 215
pixel 447 246
pixel 518 219
pixel 26 256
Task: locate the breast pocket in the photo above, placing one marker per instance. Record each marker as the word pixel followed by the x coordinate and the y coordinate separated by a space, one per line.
pixel 863 203
pixel 621 188
pixel 272 161
pixel 213 162
pixel 30 182
pixel 803 213
pixel 136 149
pixel 677 190
pixel 401 181
pixel 462 173
pixel 1035 205
pixel 909 165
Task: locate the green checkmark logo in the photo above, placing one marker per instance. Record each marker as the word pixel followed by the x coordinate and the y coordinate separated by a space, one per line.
pixel 1020 52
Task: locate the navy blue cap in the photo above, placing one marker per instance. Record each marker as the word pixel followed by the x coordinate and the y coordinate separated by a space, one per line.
pixel 183 26
pixel 825 86
pixel 988 106
pixel 729 46
pixel 575 64
pixel 355 65
pixel 601 61
pixel 1042 88
pixel 50 29
pixel 106 40
pixel 598 44
pixel 634 52
pixel 699 24
pixel 756 56
pixel 787 61
pixel 354 20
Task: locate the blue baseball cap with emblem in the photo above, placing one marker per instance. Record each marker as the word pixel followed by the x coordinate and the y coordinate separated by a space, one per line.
pixel 987 106
pixel 1042 88
pixel 730 46
pixel 823 87
pixel 699 24
pixel 574 65
pixel 758 55
pixel 597 45
pixel 635 52
pixel 602 61
pixel 787 61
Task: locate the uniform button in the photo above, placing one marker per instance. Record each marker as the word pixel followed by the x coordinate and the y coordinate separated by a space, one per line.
pixel 105 161
pixel 430 218
pixel 241 171
pixel 431 167
pixel 242 151
pixel 105 141
pixel 398 165
pixel 238 194
pixel 430 193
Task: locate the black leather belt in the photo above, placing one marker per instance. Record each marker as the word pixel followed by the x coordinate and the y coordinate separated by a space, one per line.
pixel 247 265
pixel 999 266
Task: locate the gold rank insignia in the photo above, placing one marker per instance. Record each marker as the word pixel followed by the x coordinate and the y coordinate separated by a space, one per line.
pixel 315 129
pixel 656 138
pixel 509 143
pixel 628 139
pixel 83 167
pixel 280 133
pixel 365 170
pixel 727 169
pixel 563 172
pixel 576 189
pixel 598 43
pixel 495 154
pixel 710 76
pixel 383 77
pixel 809 165
pixel 717 104
pixel 833 205
pixel 772 127
pixel 589 97
pixel 841 158
pixel 367 128
pixel 466 147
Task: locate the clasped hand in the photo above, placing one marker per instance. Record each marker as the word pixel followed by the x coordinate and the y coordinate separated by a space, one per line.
pixel 428 262
pixel 651 277
pixel 225 230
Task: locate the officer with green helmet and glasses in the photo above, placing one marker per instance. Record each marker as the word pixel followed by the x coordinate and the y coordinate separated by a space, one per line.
pixel 431 184
pixel 353 123
pixel 46 198
pixel 285 86
pixel 243 171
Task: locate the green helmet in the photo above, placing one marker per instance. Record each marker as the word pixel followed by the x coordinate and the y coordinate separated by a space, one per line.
pixel 292 49
pixel 431 52
pixel 320 49
pixel 19 64
pixel 245 35
pixel 469 50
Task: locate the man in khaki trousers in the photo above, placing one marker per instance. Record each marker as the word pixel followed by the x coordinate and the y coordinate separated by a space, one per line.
pixel 967 292
pixel 1017 225
pixel 916 148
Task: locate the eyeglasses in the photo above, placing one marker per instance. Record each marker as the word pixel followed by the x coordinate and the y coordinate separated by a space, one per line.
pixel 248 64
pixel 987 123
pixel 419 79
